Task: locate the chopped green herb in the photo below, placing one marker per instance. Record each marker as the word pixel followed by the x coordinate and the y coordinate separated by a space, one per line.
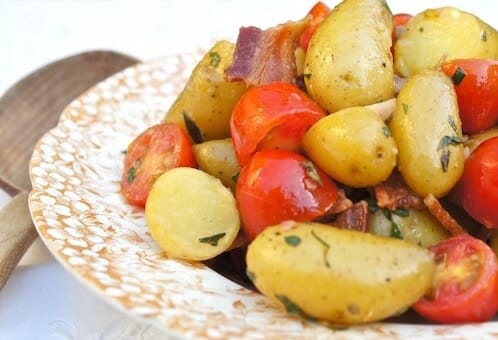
pixel 458 76
pixel 421 29
pixel 192 129
pixel 293 240
pixel 484 36
pixel 326 248
pixel 405 108
pixel 235 177
pixel 124 152
pixel 445 159
pixel 311 172
pixel 213 239
pixel 449 140
pixel 290 306
pixel 386 131
pixel 307 75
pixel 372 205
pixel 215 59
pixel 132 172
pixel 395 232
pixel 401 212
pixel 250 275
pixel 452 123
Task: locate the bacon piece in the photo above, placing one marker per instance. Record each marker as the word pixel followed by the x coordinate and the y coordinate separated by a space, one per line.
pixel 263 57
pixel 341 204
pixel 394 193
pixel 443 216
pixel 354 218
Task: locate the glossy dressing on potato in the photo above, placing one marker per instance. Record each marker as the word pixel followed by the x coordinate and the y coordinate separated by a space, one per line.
pixel 427 130
pixel 348 62
pixel 338 275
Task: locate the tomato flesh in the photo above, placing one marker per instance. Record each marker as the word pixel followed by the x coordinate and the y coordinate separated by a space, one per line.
pixel 279 185
pixel 156 150
pixel 274 115
pixel 465 284
pixel 318 13
pixel 476 86
pixel 477 190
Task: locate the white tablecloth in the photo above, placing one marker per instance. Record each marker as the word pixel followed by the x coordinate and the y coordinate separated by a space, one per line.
pixel 42 300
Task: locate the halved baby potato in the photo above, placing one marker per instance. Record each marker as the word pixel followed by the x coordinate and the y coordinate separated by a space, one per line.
pixel 191 214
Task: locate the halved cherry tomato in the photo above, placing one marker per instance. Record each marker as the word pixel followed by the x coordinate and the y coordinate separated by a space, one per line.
pixel 477 189
pixel 317 13
pixel 476 86
pixel 156 150
pixel 274 115
pixel 279 185
pixel 465 283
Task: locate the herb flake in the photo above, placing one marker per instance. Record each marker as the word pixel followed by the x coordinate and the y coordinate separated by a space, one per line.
pixel 458 76
pixel 484 36
pixel 289 305
pixel 395 232
pixel 405 108
pixel 235 177
pixel 372 205
pixel 132 172
pixel 192 129
pixel 311 172
pixel 307 75
pixel 292 240
pixel 444 144
pixel 401 212
pixel 213 239
pixel 326 248
pixel 215 58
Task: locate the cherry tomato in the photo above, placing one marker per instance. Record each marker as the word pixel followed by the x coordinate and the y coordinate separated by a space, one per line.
pixel 476 86
pixel 465 284
pixel 279 185
pixel 477 189
pixel 156 150
pixel 274 115
pixel 317 13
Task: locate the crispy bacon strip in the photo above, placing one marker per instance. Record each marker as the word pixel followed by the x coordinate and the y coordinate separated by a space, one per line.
pixel 354 218
pixel 341 204
pixel 448 222
pixel 394 193
pixel 263 57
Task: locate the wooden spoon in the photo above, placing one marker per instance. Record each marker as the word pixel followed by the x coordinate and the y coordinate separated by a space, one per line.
pixel 27 110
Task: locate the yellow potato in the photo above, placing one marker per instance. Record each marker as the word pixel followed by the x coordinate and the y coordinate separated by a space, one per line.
pixel 442 33
pixel 416 226
pixel 217 158
pixel 191 215
pixel 208 99
pixel 427 130
pixel 342 276
pixel 353 146
pixel 348 62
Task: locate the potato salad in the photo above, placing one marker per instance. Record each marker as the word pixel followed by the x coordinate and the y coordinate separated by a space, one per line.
pixel 346 161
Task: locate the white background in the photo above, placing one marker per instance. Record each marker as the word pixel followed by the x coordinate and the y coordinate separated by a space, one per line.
pixel 42 301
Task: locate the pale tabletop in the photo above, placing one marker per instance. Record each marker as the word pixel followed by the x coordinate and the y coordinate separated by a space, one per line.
pixel 42 300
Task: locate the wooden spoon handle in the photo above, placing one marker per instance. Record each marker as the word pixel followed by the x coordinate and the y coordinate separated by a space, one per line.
pixel 16 234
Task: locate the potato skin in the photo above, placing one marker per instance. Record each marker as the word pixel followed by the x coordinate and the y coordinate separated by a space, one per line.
pixel 353 146
pixel 427 130
pixel 208 99
pixel 420 227
pixel 348 62
pixel 439 33
pixel 217 158
pixel 342 276
pixel 191 215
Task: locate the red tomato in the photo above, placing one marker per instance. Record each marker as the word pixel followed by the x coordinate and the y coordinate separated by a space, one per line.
pixel 476 86
pixel 279 185
pixel 399 22
pixel 156 150
pixel 477 189
pixel 465 284
pixel 276 114
pixel 317 13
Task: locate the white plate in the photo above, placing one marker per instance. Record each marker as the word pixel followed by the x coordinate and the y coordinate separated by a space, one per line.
pixel 82 218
